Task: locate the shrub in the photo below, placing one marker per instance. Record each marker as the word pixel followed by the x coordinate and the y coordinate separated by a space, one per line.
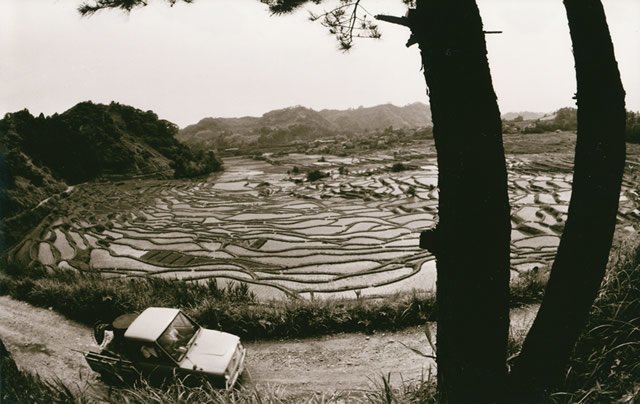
pixel 315 175
pixel 87 297
pixel 632 129
pixel 397 167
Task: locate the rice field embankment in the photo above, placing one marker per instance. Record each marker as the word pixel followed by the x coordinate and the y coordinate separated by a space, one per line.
pixel 352 234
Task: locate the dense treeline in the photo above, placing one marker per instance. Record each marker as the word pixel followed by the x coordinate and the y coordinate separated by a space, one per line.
pixel 258 137
pixel 294 133
pixel 41 155
pixel 632 132
pixel 565 119
pixel 90 140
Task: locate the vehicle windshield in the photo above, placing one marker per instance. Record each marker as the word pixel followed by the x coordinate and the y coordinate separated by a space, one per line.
pixel 178 336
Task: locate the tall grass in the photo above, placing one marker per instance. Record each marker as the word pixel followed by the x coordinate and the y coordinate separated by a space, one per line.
pixel 22 387
pixel 89 297
pixel 384 392
pixel 605 366
pixel 380 392
pixel 528 288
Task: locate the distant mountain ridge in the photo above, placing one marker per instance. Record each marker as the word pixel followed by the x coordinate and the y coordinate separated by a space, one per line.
pixel 379 117
pixel 299 123
pixel 526 115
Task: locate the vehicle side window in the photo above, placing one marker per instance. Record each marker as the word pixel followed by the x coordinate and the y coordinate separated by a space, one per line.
pixel 183 326
pixel 176 338
pixel 147 352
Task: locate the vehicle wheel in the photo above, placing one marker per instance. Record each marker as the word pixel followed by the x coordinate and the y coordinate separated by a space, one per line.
pixel 98 331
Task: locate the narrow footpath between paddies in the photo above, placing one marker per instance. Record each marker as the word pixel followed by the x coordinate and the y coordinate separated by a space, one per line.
pixel 43 341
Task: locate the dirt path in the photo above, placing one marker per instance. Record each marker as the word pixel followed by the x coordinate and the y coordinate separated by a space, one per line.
pixel 41 341
pixel 339 362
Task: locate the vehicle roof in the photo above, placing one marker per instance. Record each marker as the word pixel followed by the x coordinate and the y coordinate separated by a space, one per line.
pixel 151 323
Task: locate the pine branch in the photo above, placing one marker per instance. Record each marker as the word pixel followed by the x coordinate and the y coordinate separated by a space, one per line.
pixel 89 8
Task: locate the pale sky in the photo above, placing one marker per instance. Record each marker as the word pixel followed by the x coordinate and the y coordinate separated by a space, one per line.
pixel 231 58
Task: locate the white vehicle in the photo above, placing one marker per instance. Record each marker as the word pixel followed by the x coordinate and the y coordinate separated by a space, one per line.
pixel 162 343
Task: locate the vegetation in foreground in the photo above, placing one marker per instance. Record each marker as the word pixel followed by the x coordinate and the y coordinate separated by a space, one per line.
pixel 22 387
pixel 87 297
pixel 604 367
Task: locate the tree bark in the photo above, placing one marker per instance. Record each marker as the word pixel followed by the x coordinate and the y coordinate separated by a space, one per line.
pixel 583 252
pixel 472 239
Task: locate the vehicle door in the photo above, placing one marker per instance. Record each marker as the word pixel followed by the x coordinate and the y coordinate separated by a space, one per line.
pixel 152 361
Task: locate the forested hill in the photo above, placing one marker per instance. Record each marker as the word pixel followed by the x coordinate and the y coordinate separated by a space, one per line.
pixel 380 117
pixel 40 156
pixel 91 140
pixel 301 124
pixel 564 119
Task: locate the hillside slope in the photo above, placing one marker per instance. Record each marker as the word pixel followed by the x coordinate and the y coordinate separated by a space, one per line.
pixel 301 124
pixel 40 156
pixel 412 116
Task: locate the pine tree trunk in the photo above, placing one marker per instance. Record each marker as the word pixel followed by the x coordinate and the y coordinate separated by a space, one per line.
pixel 583 252
pixel 471 240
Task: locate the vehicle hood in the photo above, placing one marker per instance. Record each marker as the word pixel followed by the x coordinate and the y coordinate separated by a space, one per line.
pixel 211 352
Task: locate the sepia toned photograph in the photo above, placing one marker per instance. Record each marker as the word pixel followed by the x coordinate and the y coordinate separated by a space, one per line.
pixel 319 201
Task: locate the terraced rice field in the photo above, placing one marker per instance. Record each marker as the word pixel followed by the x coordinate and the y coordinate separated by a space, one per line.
pixel 345 236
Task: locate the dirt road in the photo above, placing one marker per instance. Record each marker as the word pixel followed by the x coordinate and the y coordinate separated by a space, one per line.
pixel 42 341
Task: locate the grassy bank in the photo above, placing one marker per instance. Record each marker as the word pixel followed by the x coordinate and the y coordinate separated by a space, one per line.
pixel 604 366
pixel 87 297
pixel 23 387
pixel 381 392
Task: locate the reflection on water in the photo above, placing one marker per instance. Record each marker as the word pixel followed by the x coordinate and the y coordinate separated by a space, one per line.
pixel 286 236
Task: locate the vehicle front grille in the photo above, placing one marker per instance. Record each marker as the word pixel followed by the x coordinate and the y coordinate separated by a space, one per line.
pixel 234 368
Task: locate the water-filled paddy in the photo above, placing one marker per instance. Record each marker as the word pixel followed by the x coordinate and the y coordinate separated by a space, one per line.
pixel 345 236
pixel 63 246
